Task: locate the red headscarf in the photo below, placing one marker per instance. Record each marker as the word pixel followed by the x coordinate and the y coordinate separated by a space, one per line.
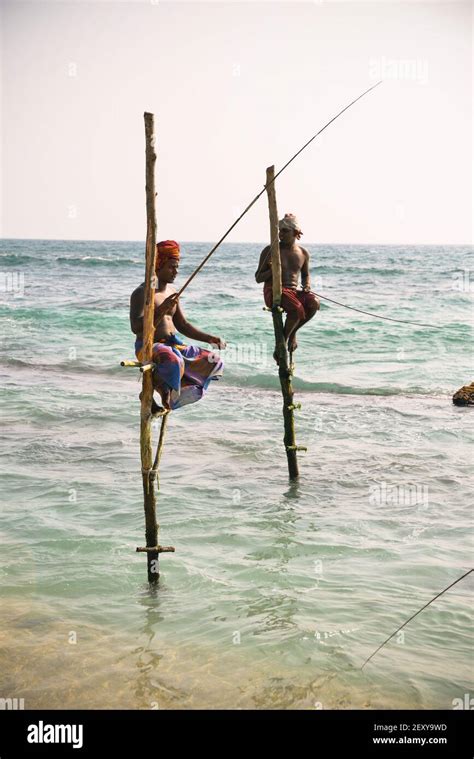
pixel 164 251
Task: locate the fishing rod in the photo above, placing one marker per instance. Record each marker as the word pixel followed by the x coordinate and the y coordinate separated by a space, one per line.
pixel 252 203
pixel 416 614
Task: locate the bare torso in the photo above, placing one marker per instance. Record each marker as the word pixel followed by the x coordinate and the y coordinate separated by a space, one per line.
pixel 292 260
pixel 163 328
pixel 294 263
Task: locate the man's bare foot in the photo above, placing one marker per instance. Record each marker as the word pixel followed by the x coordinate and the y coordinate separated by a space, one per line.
pixel 292 344
pixel 155 409
pixel 165 398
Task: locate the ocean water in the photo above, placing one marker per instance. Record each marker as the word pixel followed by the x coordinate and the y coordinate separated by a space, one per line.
pixel 277 592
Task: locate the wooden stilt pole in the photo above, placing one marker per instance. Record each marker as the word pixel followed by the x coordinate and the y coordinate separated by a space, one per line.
pixel 284 369
pixel 148 476
pixel 149 470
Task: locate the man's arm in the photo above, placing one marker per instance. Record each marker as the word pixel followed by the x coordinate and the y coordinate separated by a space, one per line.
pixel 264 271
pixel 189 330
pixel 137 302
pixel 136 310
pixel 305 277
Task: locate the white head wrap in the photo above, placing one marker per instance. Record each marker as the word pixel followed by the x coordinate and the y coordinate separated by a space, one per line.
pixel 290 221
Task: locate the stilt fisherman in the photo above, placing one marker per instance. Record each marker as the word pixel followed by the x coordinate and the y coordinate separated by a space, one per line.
pixel 300 305
pixel 182 372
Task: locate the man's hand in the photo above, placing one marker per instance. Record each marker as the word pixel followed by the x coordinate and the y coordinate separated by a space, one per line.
pixel 218 342
pixel 307 288
pixel 166 308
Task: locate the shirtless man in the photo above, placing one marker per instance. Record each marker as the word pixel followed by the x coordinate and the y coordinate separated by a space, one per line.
pixel 174 361
pixel 300 305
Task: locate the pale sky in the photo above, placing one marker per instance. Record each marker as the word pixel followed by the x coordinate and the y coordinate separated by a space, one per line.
pixel 234 88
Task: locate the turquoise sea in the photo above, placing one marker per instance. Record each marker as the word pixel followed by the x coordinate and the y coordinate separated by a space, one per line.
pixel 277 592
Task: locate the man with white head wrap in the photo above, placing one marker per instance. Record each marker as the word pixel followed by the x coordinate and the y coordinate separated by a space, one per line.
pixel 290 221
pixel 300 305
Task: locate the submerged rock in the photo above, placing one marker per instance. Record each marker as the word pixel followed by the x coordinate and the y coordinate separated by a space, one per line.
pixel 464 396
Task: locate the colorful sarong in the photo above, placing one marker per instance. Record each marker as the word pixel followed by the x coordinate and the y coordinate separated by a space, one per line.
pixel 294 302
pixel 185 370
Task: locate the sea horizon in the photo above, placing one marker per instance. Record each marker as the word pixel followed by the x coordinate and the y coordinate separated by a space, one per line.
pixel 245 242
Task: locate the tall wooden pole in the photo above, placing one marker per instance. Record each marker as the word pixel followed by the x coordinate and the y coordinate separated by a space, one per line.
pixel 284 371
pixel 148 476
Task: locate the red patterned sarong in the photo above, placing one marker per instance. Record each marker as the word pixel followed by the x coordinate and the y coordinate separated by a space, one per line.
pixel 294 302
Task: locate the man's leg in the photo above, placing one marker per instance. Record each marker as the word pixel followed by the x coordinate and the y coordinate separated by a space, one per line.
pixel 165 394
pixel 294 314
pixel 169 368
pixel 155 409
pixel 311 306
pixel 200 368
pixel 293 322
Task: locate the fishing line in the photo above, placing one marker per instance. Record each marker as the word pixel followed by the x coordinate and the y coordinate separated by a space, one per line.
pixel 415 615
pixel 252 203
pixel 379 316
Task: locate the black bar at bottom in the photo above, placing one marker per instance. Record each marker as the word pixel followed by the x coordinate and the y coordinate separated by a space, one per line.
pixel 349 733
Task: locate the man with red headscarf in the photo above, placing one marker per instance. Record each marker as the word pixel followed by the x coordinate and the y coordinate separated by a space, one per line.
pixel 182 372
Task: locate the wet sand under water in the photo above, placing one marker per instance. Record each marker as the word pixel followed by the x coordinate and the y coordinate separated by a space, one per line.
pixel 106 670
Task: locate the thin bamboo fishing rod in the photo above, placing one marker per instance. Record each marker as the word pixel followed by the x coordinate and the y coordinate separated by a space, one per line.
pixel 252 203
pixel 159 447
pixel 416 614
